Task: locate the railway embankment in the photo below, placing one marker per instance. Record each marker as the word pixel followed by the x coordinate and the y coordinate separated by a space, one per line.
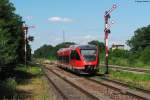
pixel 25 83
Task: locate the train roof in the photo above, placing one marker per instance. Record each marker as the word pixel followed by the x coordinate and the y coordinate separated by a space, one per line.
pixel 63 49
pixel 66 51
pixel 73 47
pixel 89 46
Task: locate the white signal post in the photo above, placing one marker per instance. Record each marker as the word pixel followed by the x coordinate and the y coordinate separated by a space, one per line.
pixel 25 29
pixel 107 31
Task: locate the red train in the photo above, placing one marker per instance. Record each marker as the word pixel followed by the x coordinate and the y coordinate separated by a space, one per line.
pixel 82 59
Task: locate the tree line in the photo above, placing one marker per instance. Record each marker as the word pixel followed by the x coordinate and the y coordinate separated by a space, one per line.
pixel 137 55
pixel 49 51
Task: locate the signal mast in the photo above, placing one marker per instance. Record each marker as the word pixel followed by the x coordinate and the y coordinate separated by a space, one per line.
pixel 25 29
pixel 107 31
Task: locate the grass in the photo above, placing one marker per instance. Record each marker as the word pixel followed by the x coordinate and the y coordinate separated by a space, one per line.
pixel 36 89
pixel 52 58
pixel 134 79
pixel 127 62
pixel 34 70
pixel 27 83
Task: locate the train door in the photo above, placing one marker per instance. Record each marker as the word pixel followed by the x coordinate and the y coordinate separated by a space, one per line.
pixel 75 60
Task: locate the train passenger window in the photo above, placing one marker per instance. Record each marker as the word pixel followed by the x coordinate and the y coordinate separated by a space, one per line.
pixel 72 56
pixel 75 55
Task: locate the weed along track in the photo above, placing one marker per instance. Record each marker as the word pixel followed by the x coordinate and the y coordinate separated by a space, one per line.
pixel 91 88
pixel 129 69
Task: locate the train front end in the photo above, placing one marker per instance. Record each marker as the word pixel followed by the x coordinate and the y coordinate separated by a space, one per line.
pixel 89 55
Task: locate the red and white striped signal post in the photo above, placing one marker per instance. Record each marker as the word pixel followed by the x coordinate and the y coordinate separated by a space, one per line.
pixel 107 31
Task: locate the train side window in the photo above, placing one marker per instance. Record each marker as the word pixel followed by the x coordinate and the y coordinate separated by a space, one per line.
pixel 75 55
pixel 72 56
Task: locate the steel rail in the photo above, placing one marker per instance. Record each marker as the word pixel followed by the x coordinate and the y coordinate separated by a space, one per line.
pixel 127 85
pixel 136 91
pixel 57 88
pixel 126 89
pixel 74 85
pixel 121 68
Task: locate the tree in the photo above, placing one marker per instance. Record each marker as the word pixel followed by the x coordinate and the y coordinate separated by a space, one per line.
pixel 118 53
pixel 63 45
pixel 145 55
pixel 140 45
pixel 47 51
pixel 100 45
pixel 44 51
pixel 11 35
pixel 140 40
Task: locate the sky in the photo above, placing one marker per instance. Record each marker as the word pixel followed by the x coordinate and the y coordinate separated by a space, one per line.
pixel 81 20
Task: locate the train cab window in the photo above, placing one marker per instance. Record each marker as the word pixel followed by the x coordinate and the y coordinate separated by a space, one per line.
pixel 89 54
pixel 74 55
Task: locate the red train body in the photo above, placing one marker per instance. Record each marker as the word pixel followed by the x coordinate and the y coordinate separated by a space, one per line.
pixel 79 58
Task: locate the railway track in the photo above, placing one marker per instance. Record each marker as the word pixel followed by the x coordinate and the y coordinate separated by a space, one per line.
pixel 139 70
pixel 116 67
pixel 127 85
pixel 67 89
pixel 122 87
pixel 103 88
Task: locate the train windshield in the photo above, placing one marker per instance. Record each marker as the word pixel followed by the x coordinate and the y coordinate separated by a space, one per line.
pixel 89 54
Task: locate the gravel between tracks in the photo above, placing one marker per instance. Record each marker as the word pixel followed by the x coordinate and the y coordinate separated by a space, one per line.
pixel 67 91
pixel 100 91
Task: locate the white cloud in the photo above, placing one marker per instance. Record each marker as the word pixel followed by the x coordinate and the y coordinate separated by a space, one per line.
pixel 67 20
pixel 55 19
pixel 89 37
pixel 59 19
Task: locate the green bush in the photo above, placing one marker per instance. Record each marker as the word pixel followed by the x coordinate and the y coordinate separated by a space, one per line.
pixel 119 53
pixel 10 84
pixel 145 55
pixel 8 88
pixel 119 61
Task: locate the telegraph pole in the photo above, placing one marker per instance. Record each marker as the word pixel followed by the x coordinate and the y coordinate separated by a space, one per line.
pixel 107 31
pixel 63 36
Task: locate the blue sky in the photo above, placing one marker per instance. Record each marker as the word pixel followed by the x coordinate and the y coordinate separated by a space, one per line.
pixel 81 20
